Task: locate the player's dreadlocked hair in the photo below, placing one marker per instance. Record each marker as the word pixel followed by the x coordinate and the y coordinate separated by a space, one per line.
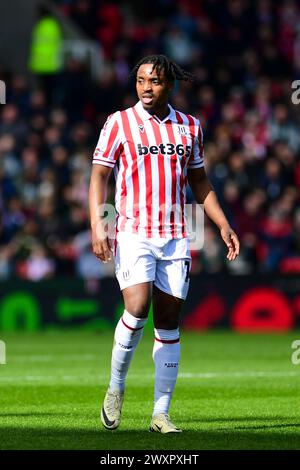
pixel 161 62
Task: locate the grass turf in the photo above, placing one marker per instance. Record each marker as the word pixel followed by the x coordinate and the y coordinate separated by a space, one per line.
pixel 233 392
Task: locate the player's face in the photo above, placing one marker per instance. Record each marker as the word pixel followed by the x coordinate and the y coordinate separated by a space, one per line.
pixel 152 89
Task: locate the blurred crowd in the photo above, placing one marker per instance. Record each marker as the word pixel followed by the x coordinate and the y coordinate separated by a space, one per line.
pixel 246 54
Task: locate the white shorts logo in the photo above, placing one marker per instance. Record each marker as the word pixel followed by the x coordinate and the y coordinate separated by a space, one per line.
pixel 126 275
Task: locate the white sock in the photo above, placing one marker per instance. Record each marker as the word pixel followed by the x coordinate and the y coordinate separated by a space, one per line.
pixel 166 355
pixel 128 333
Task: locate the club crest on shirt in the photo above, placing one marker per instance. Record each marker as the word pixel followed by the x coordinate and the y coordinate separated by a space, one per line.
pixel 182 130
pixel 141 128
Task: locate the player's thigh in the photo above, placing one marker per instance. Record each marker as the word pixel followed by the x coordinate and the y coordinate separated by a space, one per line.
pixel 134 260
pixel 166 309
pixel 137 299
pixel 135 270
pixel 172 277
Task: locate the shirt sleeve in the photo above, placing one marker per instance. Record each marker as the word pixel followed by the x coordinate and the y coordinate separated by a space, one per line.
pixel 109 145
pixel 196 159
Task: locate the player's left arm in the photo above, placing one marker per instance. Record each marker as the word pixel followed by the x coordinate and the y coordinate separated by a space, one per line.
pixel 204 194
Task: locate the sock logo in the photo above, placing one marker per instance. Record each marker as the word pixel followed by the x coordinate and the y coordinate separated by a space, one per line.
pixel 171 364
pixel 165 149
pixel 128 348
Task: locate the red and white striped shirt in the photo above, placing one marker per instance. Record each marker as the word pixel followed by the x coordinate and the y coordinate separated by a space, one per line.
pixel 150 160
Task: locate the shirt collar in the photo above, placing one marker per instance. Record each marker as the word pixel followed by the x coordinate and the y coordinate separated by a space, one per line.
pixel 144 115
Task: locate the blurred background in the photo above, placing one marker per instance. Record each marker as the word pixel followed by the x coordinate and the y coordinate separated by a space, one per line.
pixel 66 66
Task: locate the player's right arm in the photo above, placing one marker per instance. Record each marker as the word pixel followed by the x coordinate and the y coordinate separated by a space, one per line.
pixel 97 198
pixel 105 156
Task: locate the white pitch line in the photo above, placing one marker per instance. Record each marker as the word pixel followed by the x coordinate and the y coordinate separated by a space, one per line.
pixel 254 374
pixel 50 357
pixel 184 375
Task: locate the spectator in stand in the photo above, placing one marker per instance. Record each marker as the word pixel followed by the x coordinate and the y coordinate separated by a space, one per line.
pixel 45 53
pixel 276 237
pixel 282 128
pixel 38 266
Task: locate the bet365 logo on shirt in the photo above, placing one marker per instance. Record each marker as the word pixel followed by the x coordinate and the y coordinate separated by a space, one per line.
pixel 165 149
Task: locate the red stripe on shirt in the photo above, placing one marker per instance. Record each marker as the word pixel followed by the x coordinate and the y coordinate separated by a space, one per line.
pixel 148 176
pixel 111 139
pixel 161 178
pixel 182 163
pixel 173 164
pixel 200 138
pixel 134 172
pixel 193 133
pixel 123 191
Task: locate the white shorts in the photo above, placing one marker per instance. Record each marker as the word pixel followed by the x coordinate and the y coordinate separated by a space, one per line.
pixel 166 262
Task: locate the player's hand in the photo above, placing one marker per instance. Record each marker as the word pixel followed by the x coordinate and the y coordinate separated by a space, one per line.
pixel 101 244
pixel 232 242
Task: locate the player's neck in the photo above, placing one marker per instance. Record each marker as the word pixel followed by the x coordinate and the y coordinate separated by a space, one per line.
pixel 161 112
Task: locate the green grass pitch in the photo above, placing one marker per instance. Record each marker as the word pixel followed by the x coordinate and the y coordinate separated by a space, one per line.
pixel 233 392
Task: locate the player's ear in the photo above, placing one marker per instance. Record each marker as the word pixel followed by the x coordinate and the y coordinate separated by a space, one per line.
pixel 170 86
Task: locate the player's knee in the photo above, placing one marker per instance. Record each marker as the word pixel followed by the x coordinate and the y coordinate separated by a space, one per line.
pixel 138 309
pixel 164 324
pixel 166 321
